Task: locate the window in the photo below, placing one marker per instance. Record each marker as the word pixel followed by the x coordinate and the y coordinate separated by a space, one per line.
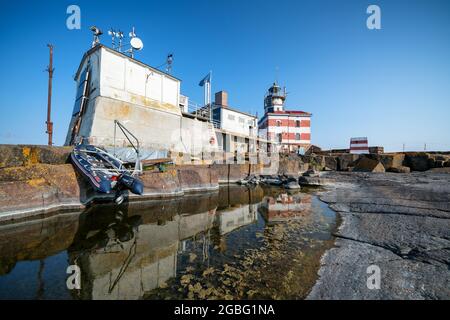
pixel 241 120
pixel 278 123
pixel 280 137
pixel 297 136
pixel 231 117
pixel 82 91
pixel 297 123
pixel 216 114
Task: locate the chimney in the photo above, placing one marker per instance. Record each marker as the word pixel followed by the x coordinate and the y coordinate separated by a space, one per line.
pixel 221 98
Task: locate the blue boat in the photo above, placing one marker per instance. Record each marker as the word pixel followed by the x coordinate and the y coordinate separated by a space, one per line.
pixel 104 172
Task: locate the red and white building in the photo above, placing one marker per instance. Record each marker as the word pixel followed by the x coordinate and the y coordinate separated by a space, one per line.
pixel 290 130
pixel 359 145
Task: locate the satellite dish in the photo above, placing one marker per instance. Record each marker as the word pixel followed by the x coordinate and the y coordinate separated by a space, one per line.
pixel 136 43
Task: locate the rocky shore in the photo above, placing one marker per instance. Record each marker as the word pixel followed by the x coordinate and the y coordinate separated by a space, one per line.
pixel 398 222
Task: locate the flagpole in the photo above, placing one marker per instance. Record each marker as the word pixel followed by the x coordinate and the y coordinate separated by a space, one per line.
pixel 209 95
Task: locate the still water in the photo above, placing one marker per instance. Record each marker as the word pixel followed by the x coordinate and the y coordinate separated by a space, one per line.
pixel 238 243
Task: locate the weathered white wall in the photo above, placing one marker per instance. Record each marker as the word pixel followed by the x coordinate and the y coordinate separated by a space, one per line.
pixel 126 80
pixel 154 128
pixel 196 136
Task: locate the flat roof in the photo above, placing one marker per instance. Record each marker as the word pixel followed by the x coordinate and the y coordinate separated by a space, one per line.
pixel 235 110
pixel 123 55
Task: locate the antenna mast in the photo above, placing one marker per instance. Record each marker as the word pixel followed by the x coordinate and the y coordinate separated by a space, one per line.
pixel 119 35
pixel 49 100
pixel 113 34
pixel 169 62
pixel 116 34
pixel 135 43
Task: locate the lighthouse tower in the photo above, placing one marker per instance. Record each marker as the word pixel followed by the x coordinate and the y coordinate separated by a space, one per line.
pixel 274 99
pixel 290 130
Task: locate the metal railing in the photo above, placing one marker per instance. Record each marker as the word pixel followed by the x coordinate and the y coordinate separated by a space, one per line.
pixel 199 110
pixel 216 124
pixel 127 133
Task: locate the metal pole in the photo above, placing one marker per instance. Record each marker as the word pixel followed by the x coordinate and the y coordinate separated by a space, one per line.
pixel 49 100
pixel 209 96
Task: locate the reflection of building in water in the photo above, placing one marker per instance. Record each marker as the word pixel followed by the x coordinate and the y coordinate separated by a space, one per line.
pixel 236 217
pixel 133 259
pixel 286 207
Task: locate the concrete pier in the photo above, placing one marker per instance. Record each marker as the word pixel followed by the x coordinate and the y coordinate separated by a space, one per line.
pixel 36 180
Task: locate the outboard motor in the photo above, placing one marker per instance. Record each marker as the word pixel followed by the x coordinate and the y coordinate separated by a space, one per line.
pixel 133 184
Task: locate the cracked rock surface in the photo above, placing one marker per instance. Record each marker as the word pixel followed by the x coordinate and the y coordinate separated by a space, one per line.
pixel 398 222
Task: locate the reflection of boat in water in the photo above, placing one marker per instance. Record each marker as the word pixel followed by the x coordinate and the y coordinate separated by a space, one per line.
pixel 285 207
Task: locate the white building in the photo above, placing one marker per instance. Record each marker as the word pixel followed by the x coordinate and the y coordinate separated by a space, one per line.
pixel 113 86
pixel 236 131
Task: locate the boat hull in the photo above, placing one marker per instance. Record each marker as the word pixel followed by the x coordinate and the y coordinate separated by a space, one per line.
pixel 104 173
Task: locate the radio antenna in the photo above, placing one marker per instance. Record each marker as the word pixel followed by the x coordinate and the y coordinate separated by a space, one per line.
pixel 169 62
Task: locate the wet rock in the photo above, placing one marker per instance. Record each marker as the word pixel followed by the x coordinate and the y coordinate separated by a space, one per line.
pixel 317 162
pixel 330 163
pixel 290 164
pixel 272 180
pixel 311 173
pixel 313 181
pixel 389 161
pixel 417 161
pixel 431 163
pixel 439 164
pixel 346 161
pixel 250 180
pixel 440 170
pixel 400 169
pixel 368 165
pixel 291 185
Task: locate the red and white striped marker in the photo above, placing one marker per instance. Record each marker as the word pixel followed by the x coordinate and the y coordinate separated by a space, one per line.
pixel 359 145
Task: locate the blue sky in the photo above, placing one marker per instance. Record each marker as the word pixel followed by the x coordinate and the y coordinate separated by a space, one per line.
pixel 392 85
